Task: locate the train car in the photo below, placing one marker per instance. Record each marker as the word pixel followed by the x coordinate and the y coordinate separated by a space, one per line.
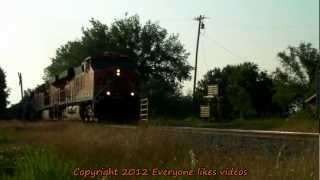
pixel 103 87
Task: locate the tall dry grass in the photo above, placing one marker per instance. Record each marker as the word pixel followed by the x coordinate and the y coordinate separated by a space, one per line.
pixel 99 145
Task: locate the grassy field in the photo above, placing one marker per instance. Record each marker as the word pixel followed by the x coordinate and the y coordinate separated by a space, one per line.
pixel 53 150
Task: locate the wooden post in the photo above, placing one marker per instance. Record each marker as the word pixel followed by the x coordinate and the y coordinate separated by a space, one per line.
pixel 317 78
pixel 20 83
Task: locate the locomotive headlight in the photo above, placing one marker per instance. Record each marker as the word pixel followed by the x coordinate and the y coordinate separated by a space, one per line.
pixel 118 72
pixel 132 93
pixel 108 93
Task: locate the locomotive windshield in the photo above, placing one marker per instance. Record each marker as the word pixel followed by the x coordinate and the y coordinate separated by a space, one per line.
pixel 105 62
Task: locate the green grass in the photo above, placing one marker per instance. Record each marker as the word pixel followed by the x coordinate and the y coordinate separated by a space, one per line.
pixel 43 164
pixel 34 163
pixel 30 163
pixel 9 156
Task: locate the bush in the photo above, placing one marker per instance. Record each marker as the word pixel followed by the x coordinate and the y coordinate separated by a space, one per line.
pixel 304 114
pixel 175 106
pixel 24 109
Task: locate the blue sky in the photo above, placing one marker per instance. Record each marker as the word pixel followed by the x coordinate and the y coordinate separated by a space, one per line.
pixel 236 31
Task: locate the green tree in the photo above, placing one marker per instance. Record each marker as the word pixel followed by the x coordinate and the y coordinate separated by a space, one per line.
pixel 160 57
pixel 3 93
pixel 245 91
pixel 299 63
pixel 23 110
pixel 296 79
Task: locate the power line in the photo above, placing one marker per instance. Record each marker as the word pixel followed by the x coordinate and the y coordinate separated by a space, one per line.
pixel 226 49
pixel 205 57
pixel 173 19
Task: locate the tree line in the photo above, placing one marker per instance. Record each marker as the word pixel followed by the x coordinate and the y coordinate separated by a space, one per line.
pixel 245 90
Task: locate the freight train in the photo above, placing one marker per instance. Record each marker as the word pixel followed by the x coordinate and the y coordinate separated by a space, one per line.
pixel 103 87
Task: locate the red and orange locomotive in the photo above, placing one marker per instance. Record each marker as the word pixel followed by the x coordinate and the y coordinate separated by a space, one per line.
pixel 102 87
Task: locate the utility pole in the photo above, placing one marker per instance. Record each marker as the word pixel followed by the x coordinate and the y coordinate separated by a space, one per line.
pixel 318 90
pixel 20 83
pixel 200 26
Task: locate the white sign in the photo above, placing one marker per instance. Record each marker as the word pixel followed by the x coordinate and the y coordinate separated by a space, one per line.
pixel 213 90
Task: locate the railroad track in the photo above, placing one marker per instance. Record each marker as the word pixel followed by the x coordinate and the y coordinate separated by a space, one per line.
pixel 226 139
pixel 232 132
pixel 246 133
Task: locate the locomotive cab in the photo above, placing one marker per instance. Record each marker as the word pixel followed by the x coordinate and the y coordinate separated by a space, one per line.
pixel 116 90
